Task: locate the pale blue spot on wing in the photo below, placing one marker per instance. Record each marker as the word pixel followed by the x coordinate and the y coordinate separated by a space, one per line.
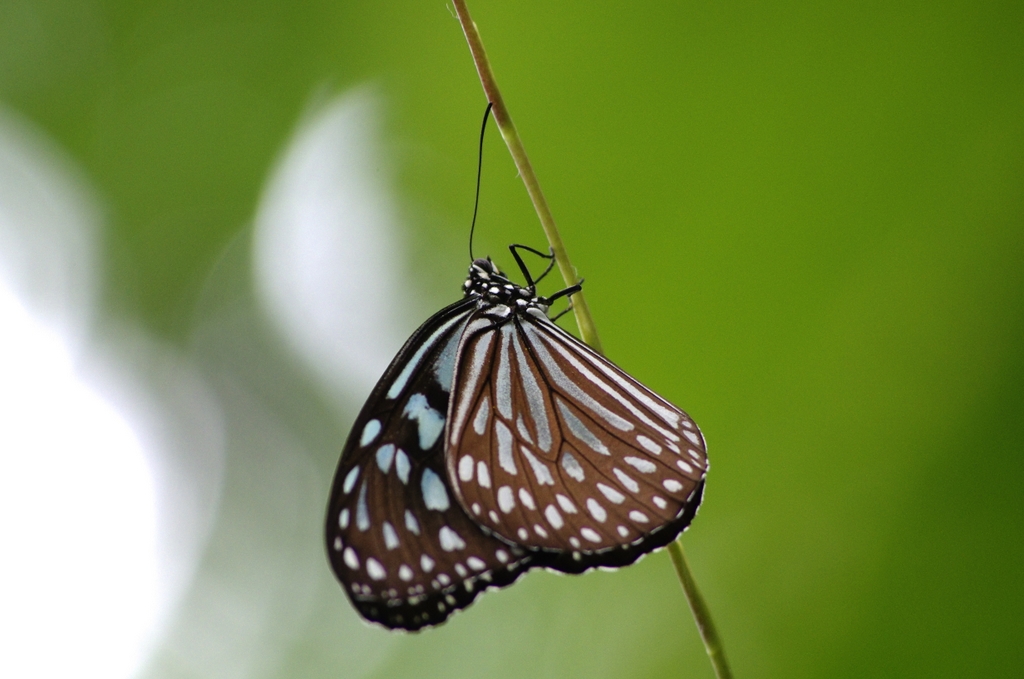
pixel 362 510
pixel 444 368
pixel 350 480
pixel 385 454
pixel 402 466
pixel 370 431
pixel 434 494
pixel 429 422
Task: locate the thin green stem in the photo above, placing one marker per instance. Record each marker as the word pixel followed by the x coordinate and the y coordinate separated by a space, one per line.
pixel 701 614
pixel 515 146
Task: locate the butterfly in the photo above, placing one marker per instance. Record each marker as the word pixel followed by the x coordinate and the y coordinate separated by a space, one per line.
pixel 497 442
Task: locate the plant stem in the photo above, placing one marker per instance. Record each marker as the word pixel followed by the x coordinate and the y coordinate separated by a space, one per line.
pixel 515 146
pixel 701 614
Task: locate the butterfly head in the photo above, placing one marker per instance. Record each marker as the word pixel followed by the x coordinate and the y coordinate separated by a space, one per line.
pixel 486 281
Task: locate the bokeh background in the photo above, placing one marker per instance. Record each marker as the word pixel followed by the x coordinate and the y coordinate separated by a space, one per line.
pixel 803 223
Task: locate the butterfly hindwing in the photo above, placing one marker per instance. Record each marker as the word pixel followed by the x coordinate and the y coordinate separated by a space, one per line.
pixel 404 550
pixel 564 452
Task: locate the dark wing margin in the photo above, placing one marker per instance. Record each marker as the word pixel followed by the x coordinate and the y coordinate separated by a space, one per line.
pixel 565 453
pixel 406 554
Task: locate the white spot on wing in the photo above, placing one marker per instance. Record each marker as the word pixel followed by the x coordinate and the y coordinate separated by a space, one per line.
pixel 405 573
pixel 596 510
pixel 641 465
pixel 351 559
pixel 465 468
pixel 685 467
pixel 375 570
pixel 672 486
pixel 590 534
pixel 612 494
pixel 434 494
pixel 505 500
pixel 571 466
pixel 426 563
pixel 450 540
pixel 694 438
pixel 540 470
pixel 483 476
pixel 659 501
pixel 648 444
pixel 526 498
pixel 343 518
pixel 638 516
pixel 475 563
pixel 553 517
pixel 625 480
pixel 501 555
pixel 565 503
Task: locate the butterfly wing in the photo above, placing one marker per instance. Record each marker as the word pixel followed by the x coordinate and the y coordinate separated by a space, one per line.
pixel 562 451
pixel 405 552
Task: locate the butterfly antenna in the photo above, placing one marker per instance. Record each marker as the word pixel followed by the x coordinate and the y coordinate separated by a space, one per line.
pixel 479 169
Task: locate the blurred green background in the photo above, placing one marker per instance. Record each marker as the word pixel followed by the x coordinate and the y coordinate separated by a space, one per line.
pixel 802 223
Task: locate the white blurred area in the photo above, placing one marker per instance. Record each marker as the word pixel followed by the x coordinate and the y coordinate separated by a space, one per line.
pixel 161 509
pixel 110 444
pixel 296 321
pixel 79 591
pixel 327 255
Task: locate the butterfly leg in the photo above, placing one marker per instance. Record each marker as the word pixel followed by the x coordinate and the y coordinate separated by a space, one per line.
pixel 550 255
pixel 554 319
pixel 571 290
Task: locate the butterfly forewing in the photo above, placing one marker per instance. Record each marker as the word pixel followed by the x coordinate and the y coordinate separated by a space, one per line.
pixel 404 550
pixel 555 448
